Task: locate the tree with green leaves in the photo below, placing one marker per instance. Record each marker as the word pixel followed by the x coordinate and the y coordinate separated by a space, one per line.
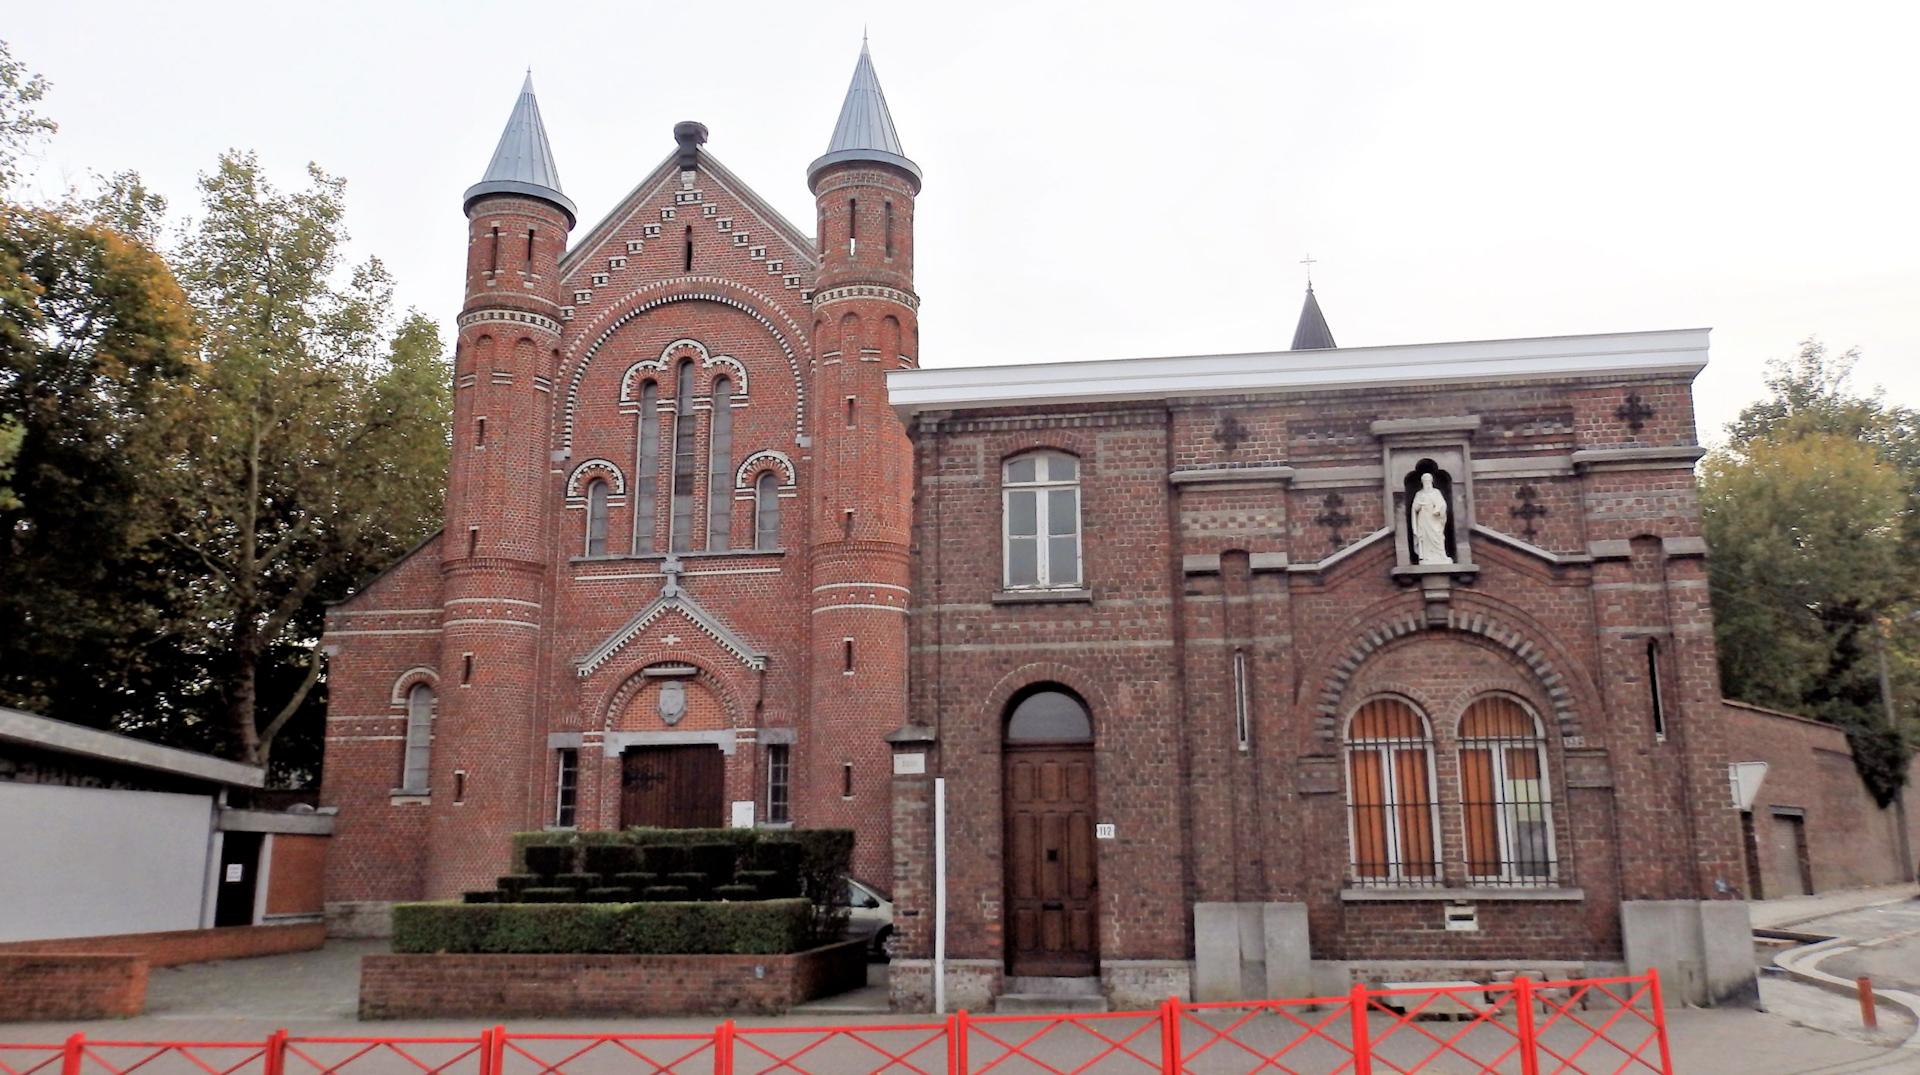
pixel 20 124
pixel 93 329
pixel 309 449
pixel 1813 513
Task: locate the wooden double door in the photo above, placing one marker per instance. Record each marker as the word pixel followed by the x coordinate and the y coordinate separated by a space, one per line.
pixel 1052 887
pixel 673 787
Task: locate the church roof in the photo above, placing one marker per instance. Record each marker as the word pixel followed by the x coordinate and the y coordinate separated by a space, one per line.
pixel 523 162
pixel 1312 333
pixel 865 131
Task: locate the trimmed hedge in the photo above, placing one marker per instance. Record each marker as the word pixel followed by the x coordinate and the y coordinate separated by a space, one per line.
pixel 759 927
pixel 547 860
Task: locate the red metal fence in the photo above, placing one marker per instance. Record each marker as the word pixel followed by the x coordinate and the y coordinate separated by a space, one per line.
pixel 1581 1027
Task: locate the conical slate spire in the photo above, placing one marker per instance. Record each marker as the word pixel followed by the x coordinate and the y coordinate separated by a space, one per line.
pixel 1312 333
pixel 523 162
pixel 865 131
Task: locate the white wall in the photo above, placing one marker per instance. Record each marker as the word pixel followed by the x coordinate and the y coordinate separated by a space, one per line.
pixel 75 862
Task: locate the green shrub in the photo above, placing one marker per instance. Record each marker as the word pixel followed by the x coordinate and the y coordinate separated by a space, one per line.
pixel 579 882
pixel 715 860
pixel 736 893
pixel 515 883
pixel 806 862
pixel 636 881
pixel 664 893
pixel 486 895
pixel 770 884
pixel 538 894
pixel 694 882
pixel 666 860
pixel 610 860
pixel 759 927
pixel 547 860
pixel 610 894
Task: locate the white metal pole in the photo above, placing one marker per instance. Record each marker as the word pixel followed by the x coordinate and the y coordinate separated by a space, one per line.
pixel 940 895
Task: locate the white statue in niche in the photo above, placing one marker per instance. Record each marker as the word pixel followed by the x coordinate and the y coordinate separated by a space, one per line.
pixel 1430 524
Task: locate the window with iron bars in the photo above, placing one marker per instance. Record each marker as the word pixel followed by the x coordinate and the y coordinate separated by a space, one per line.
pixel 1506 800
pixel 1392 816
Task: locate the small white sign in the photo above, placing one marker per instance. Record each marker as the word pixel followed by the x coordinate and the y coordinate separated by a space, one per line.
pixel 1103 831
pixel 909 764
pixel 743 814
pixel 236 872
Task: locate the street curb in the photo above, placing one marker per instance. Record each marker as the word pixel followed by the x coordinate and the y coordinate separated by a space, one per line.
pixel 1906 894
pixel 1801 964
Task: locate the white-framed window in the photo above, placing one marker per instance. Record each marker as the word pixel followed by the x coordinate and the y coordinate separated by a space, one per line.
pixel 1040 521
pixel 646 478
pixel 766 512
pixel 566 799
pixel 720 467
pixel 1506 803
pixel 597 492
pixel 779 783
pixel 417 757
pixel 1392 817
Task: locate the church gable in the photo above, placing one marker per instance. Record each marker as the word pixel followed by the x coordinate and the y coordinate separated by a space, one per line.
pixel 703 222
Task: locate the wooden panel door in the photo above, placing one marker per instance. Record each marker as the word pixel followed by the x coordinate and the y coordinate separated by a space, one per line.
pixel 673 787
pixel 1052 920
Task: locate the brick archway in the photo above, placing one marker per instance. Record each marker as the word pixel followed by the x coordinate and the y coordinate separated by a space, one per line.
pixel 630 686
pixel 1556 673
pixel 682 289
pixel 993 707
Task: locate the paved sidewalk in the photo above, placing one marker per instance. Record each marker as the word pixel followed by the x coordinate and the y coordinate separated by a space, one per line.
pixel 312 994
pixel 1796 910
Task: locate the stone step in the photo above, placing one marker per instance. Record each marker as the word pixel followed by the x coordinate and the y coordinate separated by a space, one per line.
pixel 1054 987
pixel 1047 1004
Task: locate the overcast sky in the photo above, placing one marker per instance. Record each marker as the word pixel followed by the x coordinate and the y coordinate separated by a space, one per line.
pixel 1115 179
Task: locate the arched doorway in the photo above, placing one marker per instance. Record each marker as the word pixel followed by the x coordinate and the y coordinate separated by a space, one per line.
pixel 1048 791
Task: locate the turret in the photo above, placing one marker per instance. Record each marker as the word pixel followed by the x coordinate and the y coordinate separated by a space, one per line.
pixel 865 323
pixel 493 555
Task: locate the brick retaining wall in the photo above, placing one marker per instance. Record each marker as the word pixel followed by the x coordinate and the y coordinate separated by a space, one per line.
pixel 184 946
pixel 497 986
pixel 71 986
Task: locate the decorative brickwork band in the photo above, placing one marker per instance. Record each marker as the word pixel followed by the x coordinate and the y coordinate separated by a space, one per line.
pixel 516 317
pixel 1413 622
pixel 866 291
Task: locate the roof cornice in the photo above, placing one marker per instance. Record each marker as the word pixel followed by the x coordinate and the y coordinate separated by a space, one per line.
pixel 1677 352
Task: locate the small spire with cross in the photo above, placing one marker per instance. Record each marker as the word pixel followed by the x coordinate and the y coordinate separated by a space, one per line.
pixel 1309 261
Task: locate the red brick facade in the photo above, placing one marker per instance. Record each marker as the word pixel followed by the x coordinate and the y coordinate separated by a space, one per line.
pixel 1813 826
pixel 71 986
pixel 1249 581
pixel 1257 525
pixel 447 986
pixel 532 645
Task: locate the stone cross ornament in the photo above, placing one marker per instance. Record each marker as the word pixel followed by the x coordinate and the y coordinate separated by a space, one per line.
pixel 1430 524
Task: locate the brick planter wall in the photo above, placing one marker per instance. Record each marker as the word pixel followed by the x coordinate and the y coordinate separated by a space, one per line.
pixel 445 986
pixel 70 986
pixel 174 947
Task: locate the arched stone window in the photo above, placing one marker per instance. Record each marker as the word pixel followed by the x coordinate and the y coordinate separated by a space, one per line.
pixel 597 491
pixel 646 468
pixel 1040 513
pixel 720 467
pixel 416 758
pixel 1505 801
pixel 685 465
pixel 1050 714
pixel 766 511
pixel 1391 812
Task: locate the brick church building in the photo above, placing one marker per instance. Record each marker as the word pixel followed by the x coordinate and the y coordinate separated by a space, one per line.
pixel 1386 662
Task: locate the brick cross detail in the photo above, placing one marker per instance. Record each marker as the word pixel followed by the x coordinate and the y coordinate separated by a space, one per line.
pixel 1334 519
pixel 1230 434
pixel 1635 412
pixel 1528 511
